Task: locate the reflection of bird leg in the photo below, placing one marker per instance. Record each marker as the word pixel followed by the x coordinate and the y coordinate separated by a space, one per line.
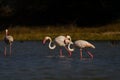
pixel 5 51
pixel 10 49
pixel 81 56
pixel 89 53
pixel 68 52
pixel 60 52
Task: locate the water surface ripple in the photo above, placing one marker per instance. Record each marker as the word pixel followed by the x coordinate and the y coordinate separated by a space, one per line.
pixel 31 60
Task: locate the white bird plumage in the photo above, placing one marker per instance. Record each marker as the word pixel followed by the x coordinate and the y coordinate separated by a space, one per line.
pixel 59 41
pixel 8 39
pixel 82 44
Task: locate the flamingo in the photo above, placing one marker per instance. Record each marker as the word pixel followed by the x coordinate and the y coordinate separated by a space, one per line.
pixel 8 39
pixel 82 44
pixel 59 41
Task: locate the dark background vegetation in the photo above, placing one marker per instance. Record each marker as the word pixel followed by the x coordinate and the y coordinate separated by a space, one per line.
pixel 59 12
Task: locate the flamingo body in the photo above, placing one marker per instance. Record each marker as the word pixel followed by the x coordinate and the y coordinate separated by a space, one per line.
pixel 60 40
pixel 83 44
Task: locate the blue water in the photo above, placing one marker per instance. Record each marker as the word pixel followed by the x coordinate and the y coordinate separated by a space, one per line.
pixel 31 60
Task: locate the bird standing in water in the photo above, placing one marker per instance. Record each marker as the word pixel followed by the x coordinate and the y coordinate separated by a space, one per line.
pixel 82 44
pixel 8 39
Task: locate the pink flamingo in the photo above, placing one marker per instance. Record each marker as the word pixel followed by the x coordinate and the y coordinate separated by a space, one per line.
pixel 8 40
pixel 59 41
pixel 82 44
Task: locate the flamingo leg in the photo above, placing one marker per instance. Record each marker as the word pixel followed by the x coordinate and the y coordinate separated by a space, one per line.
pixel 81 56
pixel 10 50
pixel 5 51
pixel 89 53
pixel 60 52
pixel 68 51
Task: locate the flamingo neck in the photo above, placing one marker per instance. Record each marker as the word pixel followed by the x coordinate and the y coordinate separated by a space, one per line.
pixel 50 44
pixel 52 47
pixel 69 48
pixel 6 33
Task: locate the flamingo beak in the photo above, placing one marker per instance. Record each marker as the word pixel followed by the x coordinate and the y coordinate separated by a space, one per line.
pixel 44 41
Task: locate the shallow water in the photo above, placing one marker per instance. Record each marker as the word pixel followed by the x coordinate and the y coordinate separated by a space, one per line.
pixel 31 60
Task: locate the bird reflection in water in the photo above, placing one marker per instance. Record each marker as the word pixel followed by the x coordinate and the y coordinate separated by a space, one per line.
pixel 114 43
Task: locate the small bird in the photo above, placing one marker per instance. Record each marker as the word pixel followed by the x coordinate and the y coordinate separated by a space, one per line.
pixel 82 44
pixel 8 39
pixel 59 41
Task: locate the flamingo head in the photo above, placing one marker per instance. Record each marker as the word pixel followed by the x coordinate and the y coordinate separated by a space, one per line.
pixel 45 39
pixel 68 37
pixel 67 41
pixel 6 31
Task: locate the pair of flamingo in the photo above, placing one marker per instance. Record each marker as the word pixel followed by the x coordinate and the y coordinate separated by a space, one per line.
pixel 60 41
pixel 64 40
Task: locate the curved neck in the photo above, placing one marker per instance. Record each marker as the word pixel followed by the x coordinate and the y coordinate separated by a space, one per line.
pixel 6 32
pixel 70 49
pixel 51 47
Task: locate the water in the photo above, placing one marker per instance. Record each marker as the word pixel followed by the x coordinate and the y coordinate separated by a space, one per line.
pixel 31 60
